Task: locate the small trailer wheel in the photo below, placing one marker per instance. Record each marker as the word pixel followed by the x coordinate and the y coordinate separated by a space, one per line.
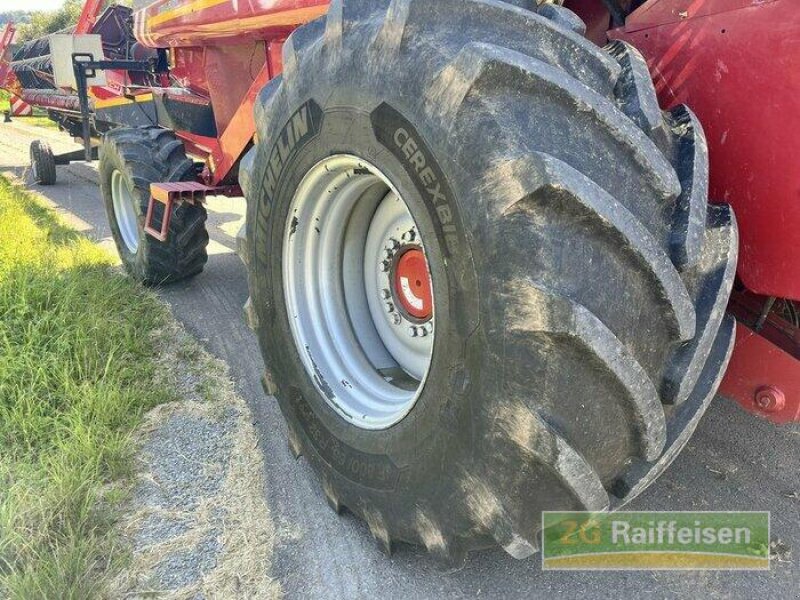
pixel 43 163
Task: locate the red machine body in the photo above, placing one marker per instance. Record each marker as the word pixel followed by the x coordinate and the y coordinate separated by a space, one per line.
pixel 736 63
pixel 17 106
pixel 224 54
pixel 165 23
pixel 7 79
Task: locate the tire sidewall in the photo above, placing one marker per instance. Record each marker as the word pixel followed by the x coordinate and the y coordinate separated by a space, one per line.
pixel 112 161
pixel 42 163
pixel 440 421
pixel 34 157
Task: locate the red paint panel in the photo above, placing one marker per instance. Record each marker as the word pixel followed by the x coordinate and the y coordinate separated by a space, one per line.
pixel 88 17
pixel 169 23
pixel 6 75
pixel 736 63
pixel 238 133
pixel 187 65
pixel 199 146
pixel 757 363
pixel 229 72
pixel 662 12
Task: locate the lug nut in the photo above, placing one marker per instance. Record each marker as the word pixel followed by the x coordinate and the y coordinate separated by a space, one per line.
pixel 394 244
pixel 389 307
pixel 388 253
pixel 422 331
pixel 429 327
pixel 396 319
pixel 409 236
pixel 386 294
pixel 412 331
pixel 769 399
pixel 385 265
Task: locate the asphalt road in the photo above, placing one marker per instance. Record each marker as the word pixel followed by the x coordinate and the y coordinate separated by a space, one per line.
pixel 734 461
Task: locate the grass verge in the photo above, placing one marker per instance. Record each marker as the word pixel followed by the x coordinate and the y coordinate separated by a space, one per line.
pixel 77 372
pixel 37 120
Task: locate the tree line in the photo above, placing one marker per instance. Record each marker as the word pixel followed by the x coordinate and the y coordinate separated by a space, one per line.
pixel 36 24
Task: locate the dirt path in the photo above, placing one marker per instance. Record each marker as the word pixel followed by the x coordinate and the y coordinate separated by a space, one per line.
pixel 195 527
pixel 734 462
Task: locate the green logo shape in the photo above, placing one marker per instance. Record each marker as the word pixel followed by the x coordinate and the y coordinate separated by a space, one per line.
pixel 629 540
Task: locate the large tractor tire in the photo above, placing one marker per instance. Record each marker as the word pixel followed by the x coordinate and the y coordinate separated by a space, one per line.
pixel 484 274
pixel 130 160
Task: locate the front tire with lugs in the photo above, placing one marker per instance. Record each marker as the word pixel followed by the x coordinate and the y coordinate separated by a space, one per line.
pixel 579 276
pixel 130 160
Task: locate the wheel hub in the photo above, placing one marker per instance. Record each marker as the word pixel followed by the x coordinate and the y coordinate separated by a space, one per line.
pixel 125 212
pixel 412 287
pixel 358 292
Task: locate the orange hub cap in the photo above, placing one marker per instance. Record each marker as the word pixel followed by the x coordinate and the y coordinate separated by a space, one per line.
pixel 412 284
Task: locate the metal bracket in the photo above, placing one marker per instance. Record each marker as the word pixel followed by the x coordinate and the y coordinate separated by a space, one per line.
pixel 170 194
pixel 85 67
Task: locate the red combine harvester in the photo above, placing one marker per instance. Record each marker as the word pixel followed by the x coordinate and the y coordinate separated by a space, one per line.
pixel 484 272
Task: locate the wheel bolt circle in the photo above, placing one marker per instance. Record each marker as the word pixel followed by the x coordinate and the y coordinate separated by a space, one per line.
pixel 409 235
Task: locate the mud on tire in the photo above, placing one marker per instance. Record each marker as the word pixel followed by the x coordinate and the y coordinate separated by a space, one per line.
pixel 580 276
pixel 133 158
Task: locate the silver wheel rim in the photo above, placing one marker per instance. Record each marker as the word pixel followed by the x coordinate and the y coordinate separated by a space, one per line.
pixel 346 229
pixel 125 212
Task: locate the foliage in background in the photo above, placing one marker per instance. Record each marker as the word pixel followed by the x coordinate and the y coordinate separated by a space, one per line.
pixel 78 344
pixel 42 23
pixel 35 24
pixel 15 16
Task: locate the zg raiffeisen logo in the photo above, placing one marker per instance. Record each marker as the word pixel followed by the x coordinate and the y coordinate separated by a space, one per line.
pixel 655 540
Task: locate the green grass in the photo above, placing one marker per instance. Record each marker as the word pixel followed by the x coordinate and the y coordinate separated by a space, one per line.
pixel 4 101
pixel 37 120
pixel 76 374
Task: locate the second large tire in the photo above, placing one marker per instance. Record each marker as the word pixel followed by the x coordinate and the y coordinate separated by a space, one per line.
pixel 130 160
pixel 579 276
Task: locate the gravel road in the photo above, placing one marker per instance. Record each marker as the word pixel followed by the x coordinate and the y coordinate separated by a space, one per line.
pixel 194 527
pixel 734 461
